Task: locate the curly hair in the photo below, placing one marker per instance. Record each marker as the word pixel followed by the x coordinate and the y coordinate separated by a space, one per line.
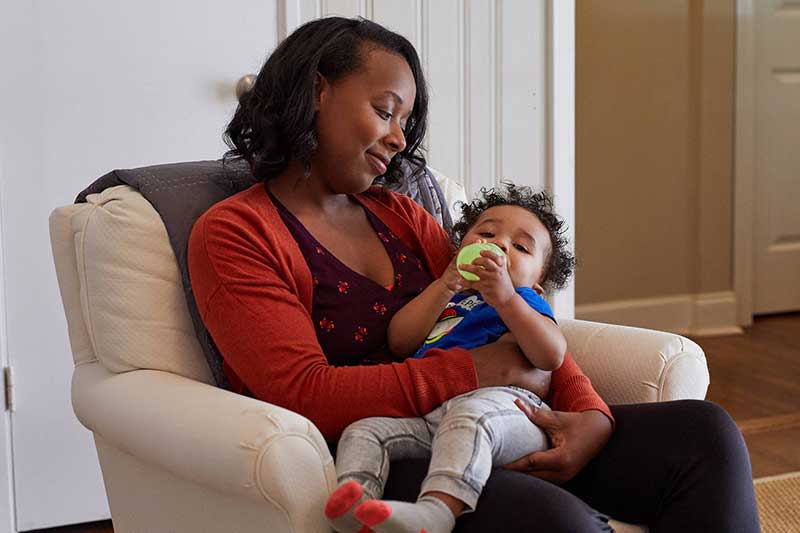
pixel 275 122
pixel 559 262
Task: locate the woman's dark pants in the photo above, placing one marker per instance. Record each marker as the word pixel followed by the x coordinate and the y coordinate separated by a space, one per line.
pixel 674 466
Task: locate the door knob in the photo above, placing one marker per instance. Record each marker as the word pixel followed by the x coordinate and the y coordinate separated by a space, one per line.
pixel 244 84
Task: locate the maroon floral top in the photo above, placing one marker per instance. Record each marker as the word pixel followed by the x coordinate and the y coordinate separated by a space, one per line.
pixel 351 312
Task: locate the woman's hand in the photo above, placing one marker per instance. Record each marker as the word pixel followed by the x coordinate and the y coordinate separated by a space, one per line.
pixel 576 439
pixel 495 283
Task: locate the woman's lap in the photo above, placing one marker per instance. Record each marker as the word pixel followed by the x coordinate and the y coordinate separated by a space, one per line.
pixel 676 466
pixel 511 502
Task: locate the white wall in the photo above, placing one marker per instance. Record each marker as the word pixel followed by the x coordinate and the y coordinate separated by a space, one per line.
pixel 87 87
pixel 17 58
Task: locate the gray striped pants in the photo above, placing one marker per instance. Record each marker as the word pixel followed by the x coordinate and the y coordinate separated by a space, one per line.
pixel 465 437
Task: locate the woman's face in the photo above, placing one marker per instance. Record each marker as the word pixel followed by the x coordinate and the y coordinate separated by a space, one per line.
pixel 360 121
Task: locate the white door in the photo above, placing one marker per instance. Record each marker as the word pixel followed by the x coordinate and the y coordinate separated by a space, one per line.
pixel 777 158
pixel 109 85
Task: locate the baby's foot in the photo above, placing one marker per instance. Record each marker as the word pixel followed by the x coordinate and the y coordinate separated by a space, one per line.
pixel 428 515
pixel 340 506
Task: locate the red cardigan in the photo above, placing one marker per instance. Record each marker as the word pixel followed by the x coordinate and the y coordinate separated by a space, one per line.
pixel 253 290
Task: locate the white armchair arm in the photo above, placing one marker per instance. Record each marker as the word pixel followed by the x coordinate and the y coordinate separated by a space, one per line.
pixel 635 365
pixel 231 443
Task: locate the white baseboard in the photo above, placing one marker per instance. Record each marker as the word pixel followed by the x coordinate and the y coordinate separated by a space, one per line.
pixel 698 315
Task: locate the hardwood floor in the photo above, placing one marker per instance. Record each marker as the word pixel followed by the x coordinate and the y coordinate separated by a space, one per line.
pixel 754 376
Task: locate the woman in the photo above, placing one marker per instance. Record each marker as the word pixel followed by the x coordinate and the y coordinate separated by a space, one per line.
pixel 297 277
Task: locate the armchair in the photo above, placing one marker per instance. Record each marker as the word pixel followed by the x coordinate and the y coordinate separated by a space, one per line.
pixel 178 453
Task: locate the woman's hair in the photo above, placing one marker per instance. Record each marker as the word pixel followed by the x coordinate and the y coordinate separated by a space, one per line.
pixel 275 121
pixel 559 263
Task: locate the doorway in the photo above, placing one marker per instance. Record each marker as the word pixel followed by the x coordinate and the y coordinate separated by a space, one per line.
pixel 767 161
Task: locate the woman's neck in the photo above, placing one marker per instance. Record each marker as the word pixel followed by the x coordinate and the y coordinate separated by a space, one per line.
pixel 303 193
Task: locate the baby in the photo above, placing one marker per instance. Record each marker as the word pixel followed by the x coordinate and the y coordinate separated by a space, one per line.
pixel 469 434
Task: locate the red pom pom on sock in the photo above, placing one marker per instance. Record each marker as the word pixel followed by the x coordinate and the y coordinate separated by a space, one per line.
pixel 343 499
pixel 373 512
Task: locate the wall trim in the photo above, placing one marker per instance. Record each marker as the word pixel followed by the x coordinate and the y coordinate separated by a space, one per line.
pixel 560 127
pixel 8 512
pixel 8 508
pixel 699 315
pixel 744 161
pixel 288 18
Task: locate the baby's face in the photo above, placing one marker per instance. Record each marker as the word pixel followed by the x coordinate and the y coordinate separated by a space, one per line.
pixel 521 235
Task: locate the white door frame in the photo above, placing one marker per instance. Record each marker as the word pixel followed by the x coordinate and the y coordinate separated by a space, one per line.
pixel 744 161
pixel 7 502
pixel 560 128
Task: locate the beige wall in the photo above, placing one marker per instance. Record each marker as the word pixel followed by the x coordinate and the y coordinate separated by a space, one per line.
pixel 654 141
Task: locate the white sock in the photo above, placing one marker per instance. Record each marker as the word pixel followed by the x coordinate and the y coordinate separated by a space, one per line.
pixel 341 505
pixel 428 515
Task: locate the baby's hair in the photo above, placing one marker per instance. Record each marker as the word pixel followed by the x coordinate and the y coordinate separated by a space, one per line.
pixel 559 263
pixel 275 121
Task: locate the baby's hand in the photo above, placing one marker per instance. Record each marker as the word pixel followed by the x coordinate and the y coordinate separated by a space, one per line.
pixel 452 279
pixel 495 283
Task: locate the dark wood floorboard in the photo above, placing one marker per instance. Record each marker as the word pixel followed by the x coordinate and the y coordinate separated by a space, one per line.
pixel 754 376
pixel 774 452
pixel 757 374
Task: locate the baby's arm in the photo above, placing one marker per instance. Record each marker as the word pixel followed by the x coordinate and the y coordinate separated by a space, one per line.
pixel 410 326
pixel 539 380
pixel 539 338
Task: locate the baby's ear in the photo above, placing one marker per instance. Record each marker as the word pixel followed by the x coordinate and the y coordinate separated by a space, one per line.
pixel 538 288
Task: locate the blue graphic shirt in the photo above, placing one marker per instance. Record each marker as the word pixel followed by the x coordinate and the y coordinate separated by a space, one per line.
pixel 468 322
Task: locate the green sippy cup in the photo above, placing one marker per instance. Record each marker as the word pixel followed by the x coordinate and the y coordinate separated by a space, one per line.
pixel 471 252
